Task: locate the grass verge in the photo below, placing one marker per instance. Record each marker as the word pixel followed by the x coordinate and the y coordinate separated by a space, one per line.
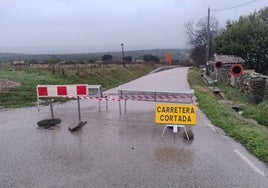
pixel 258 112
pixel 253 136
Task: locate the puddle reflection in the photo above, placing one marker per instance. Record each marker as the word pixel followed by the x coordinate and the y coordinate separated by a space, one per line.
pixel 172 154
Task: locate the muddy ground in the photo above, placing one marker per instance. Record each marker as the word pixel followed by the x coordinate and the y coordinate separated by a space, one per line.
pixel 6 85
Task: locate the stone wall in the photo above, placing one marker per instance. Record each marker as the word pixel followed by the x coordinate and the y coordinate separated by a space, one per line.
pixel 254 85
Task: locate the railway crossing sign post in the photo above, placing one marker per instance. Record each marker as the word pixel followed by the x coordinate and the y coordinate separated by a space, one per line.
pixel 236 70
pixel 218 66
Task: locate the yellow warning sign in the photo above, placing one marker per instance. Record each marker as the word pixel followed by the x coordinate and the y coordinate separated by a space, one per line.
pixel 180 114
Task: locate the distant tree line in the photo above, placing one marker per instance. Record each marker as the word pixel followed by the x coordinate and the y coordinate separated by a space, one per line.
pixel 146 58
pixel 107 57
pixel 150 58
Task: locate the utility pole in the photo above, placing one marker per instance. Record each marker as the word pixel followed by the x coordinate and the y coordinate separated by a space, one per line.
pixel 208 41
pixel 123 54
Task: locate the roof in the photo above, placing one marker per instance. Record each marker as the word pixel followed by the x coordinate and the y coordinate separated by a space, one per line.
pixel 228 59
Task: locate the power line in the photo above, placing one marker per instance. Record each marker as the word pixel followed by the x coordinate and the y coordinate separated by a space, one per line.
pixel 237 6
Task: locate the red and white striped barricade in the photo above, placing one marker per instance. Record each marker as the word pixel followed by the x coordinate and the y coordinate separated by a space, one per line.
pixel 73 91
pixel 186 96
pixel 95 92
pixel 50 91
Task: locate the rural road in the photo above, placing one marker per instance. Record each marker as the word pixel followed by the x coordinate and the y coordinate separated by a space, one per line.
pixel 113 150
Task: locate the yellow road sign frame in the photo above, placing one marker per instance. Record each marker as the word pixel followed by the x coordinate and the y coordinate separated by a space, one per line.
pixel 177 114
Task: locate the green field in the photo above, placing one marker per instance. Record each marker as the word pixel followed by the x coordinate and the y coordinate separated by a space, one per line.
pixel 108 76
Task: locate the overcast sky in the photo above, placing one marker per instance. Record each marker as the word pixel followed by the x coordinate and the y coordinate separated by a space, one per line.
pixel 77 26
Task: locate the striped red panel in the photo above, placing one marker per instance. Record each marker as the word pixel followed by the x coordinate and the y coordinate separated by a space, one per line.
pixel 42 91
pixel 81 90
pixel 62 90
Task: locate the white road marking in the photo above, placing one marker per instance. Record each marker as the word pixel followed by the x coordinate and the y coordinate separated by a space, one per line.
pixel 249 162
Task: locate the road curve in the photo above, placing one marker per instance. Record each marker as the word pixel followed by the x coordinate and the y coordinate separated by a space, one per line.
pixel 121 150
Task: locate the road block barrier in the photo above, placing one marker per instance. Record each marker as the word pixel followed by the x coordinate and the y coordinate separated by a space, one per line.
pixel 82 91
pixel 157 97
pixel 186 96
pixel 173 118
pixel 62 90
pixel 75 91
pixel 95 92
pixel 50 91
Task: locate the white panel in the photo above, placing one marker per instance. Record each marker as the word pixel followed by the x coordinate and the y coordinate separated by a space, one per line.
pixel 71 90
pixel 52 90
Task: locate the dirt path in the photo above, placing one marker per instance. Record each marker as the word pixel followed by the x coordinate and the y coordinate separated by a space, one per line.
pixel 6 85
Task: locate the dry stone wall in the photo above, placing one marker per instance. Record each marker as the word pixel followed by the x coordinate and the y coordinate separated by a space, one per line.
pixel 254 85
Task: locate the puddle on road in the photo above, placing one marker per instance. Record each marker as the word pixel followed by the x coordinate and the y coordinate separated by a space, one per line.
pixel 172 154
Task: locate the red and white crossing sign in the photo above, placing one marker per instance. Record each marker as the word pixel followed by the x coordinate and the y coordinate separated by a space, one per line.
pixel 78 90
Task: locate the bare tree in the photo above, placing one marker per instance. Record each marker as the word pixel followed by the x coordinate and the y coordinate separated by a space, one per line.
pixel 197 38
pixel 52 63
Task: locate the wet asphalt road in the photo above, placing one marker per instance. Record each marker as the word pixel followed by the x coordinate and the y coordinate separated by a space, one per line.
pixel 126 150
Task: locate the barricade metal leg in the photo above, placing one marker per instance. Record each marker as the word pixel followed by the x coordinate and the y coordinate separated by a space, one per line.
pixel 154 96
pixel 119 102
pixel 125 108
pixel 186 133
pixel 80 123
pixel 37 104
pixel 175 130
pixel 106 103
pixel 51 108
pixel 79 113
pixel 164 130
